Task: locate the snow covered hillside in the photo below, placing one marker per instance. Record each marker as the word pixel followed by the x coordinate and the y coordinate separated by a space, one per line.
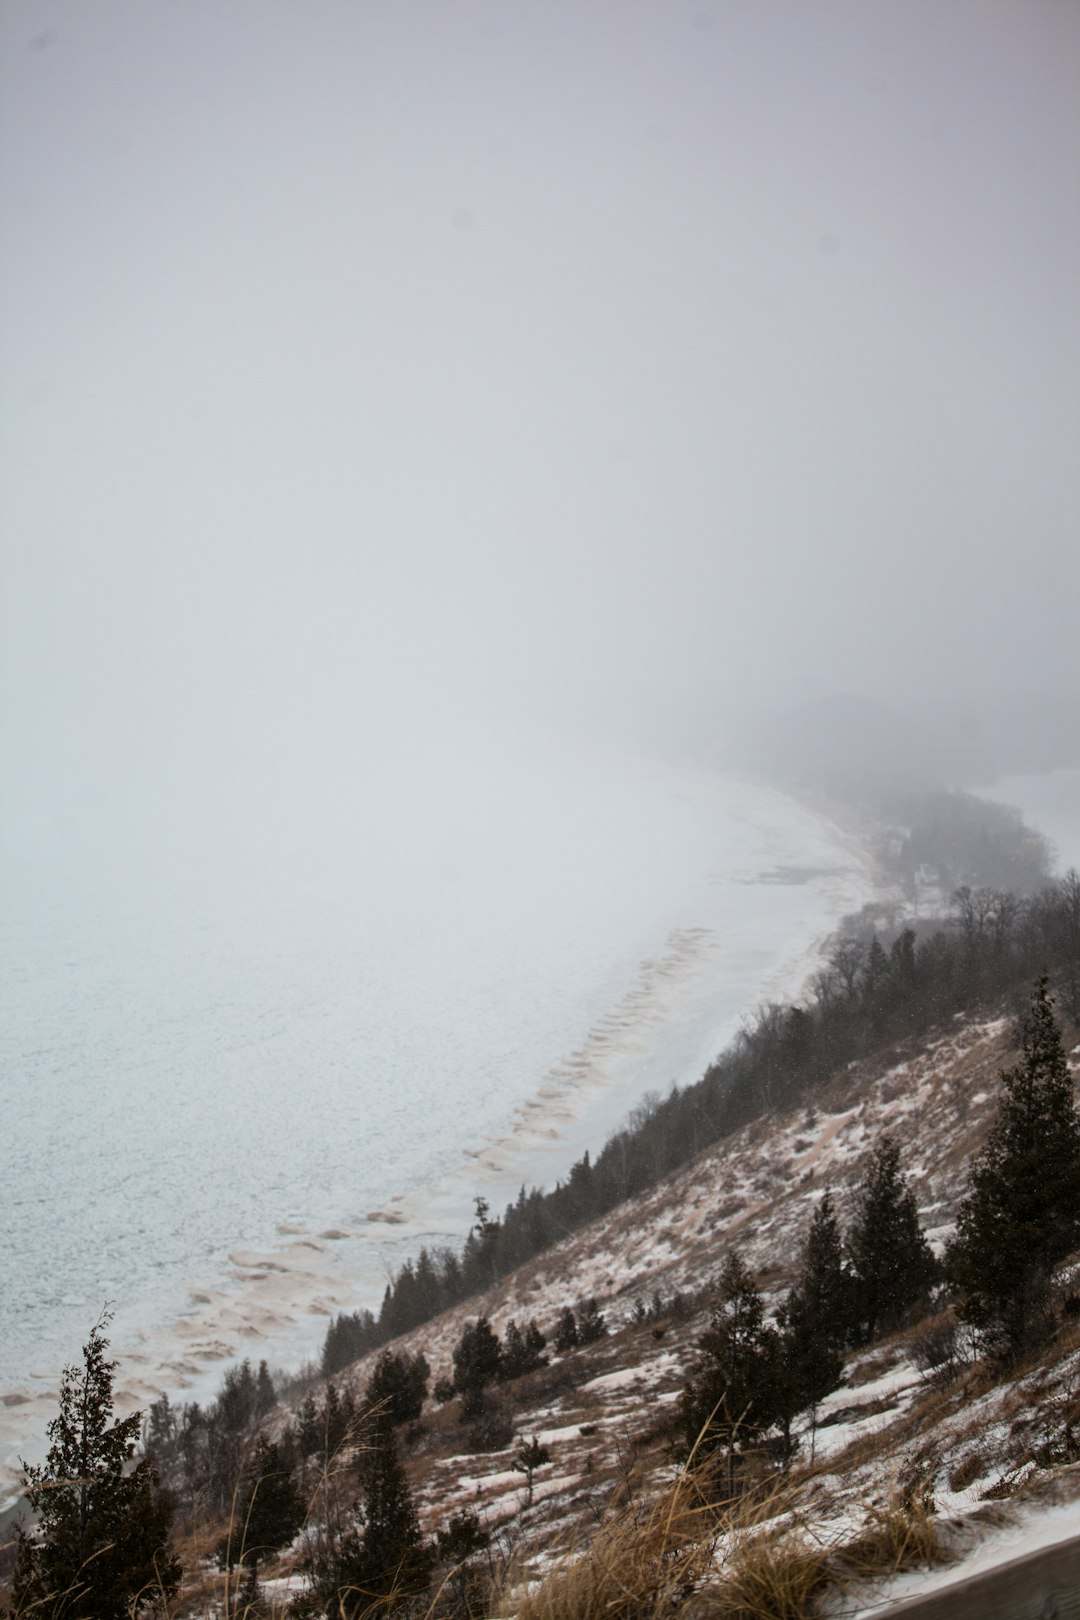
pixel 969 1442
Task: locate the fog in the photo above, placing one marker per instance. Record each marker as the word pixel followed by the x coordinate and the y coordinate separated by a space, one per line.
pixel 379 371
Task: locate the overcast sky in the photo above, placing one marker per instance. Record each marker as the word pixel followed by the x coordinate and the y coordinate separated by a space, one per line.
pixel 568 357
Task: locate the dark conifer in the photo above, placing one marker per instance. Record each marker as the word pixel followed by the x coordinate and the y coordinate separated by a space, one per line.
pixel 819 1306
pixel 566 1331
pixel 394 1558
pixel 270 1509
pixel 265 1394
pixel 100 1549
pixel 521 1352
pixel 478 1258
pixel 397 1387
pixel 815 1321
pixel 590 1323
pixel 1021 1215
pixel 376 1561
pixel 892 1264
pixel 467 1580
pixel 477 1358
pixel 309 1427
pixel 162 1429
pixel 528 1459
pixel 732 1396
pixel 535 1343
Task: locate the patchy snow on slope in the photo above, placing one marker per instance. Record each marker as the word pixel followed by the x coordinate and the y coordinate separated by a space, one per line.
pixel 1035 1528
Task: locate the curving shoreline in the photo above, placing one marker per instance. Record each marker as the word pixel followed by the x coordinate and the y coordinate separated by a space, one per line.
pixel 666 1026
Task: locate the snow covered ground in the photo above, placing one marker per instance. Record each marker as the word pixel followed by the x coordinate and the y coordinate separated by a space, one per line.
pixel 240 1089
pixel 973 1441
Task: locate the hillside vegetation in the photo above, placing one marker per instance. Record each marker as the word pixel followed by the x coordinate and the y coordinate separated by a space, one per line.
pixel 759 1353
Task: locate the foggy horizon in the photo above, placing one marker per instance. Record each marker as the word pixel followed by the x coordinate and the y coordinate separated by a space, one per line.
pixel 602 369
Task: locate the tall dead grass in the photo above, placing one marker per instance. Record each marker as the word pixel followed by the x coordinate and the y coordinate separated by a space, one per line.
pixel 643 1563
pixel 683 1556
pixel 899 1533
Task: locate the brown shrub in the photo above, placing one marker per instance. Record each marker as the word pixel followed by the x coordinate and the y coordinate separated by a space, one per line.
pixel 967 1471
pixel 898 1534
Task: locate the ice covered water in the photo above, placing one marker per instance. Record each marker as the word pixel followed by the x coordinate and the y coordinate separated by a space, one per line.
pixel 244 1077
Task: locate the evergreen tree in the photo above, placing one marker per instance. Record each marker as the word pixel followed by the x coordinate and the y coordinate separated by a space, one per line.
pixel 477 1358
pixel 397 1387
pixel 478 1257
pixel 467 1582
pixel 732 1396
pixel 527 1460
pixel 566 1331
pixel 820 1302
pixel 590 1323
pixel 162 1429
pixel 815 1320
pixel 521 1352
pixel 270 1510
pixel 1021 1215
pixel 334 1423
pixel 875 974
pixel 375 1561
pixel 393 1558
pixel 265 1394
pixel 535 1344
pixel 309 1427
pixel 892 1264
pixel 100 1549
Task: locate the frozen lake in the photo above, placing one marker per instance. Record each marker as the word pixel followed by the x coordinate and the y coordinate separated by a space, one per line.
pixel 243 1078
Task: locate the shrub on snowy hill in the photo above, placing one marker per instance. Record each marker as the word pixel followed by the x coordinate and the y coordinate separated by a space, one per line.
pixel 521 1352
pixel 892 1265
pixel 397 1388
pixel 1021 1215
pixel 477 1362
pixel 732 1397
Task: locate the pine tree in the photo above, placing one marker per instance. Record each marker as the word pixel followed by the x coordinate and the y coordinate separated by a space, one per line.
pixel 732 1396
pixel 394 1559
pixel 270 1510
pixel 479 1254
pixel 892 1264
pixel 527 1460
pixel 566 1331
pixel 467 1581
pixel 477 1359
pixel 100 1549
pixel 375 1561
pixel 397 1387
pixel 590 1323
pixel 534 1345
pixel 521 1352
pixel 815 1320
pixel 265 1394
pixel 1021 1215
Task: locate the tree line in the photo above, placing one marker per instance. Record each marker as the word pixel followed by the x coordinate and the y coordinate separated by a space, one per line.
pixel 877 985
pixel 1018 1219
pixel 333 1483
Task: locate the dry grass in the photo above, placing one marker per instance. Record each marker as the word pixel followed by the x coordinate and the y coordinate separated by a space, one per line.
pixel 898 1534
pixel 771 1574
pixel 682 1555
pixel 642 1564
